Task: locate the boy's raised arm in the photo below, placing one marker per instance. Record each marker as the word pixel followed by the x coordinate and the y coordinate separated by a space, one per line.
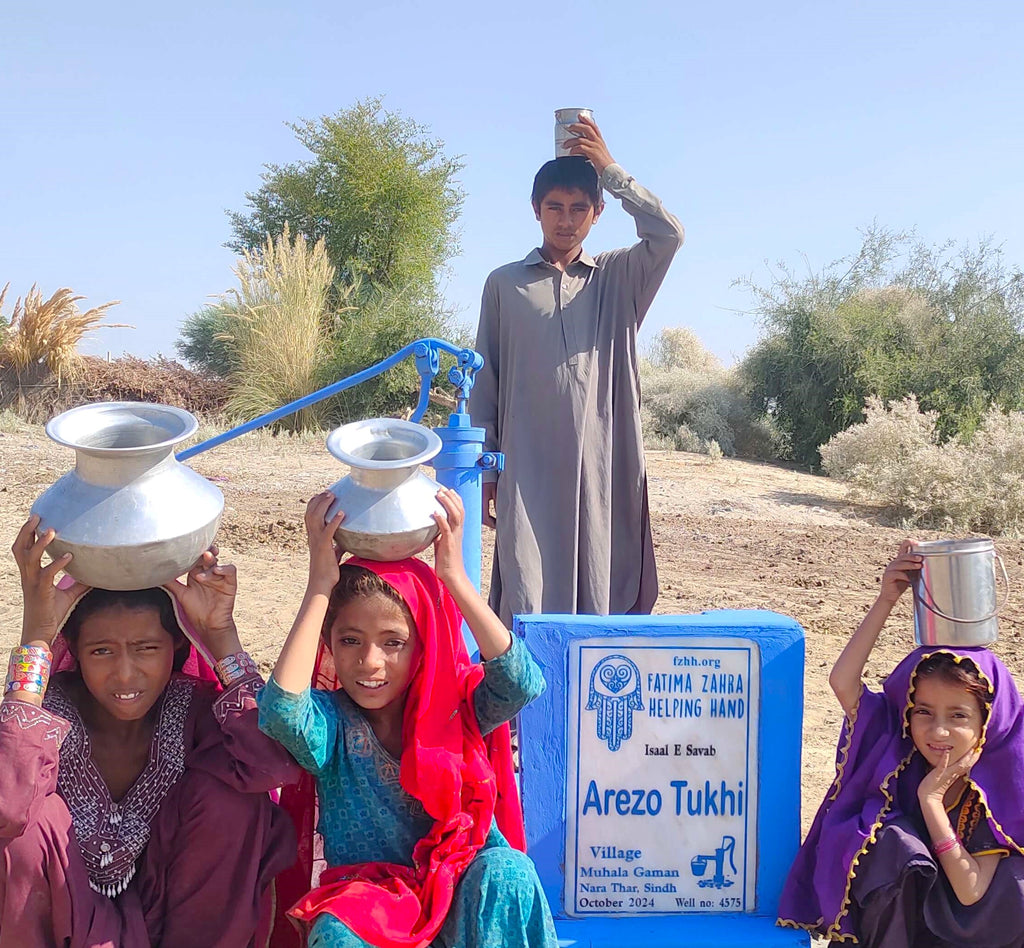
pixel 660 233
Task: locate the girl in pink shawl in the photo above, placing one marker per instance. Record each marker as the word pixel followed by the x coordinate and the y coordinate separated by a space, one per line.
pixel 133 791
pixel 918 841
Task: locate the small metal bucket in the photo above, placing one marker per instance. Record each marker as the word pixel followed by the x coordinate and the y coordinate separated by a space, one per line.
pixel 955 596
pixel 563 119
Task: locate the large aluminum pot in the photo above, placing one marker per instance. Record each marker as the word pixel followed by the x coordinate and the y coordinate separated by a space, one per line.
pixel 130 513
pixel 955 600
pixel 387 500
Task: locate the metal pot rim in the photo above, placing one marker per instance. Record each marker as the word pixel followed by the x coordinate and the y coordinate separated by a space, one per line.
pixel 951 547
pixel 343 440
pixel 56 427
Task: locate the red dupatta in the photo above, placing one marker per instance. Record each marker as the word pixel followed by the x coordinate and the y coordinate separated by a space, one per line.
pixel 463 780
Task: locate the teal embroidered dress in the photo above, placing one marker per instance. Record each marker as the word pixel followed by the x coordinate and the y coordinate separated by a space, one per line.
pixel 366 815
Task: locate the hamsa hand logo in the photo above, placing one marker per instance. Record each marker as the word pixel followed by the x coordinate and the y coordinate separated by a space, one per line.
pixel 615 695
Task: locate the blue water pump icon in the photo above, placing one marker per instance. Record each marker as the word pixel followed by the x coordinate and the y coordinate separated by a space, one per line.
pixel 699 865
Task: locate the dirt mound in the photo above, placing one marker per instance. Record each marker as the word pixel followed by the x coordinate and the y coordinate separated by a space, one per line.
pixel 39 395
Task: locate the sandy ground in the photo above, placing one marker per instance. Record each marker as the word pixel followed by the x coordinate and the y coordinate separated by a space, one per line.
pixel 729 534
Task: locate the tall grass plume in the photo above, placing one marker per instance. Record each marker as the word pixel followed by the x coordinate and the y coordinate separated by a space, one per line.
pixel 48 331
pixel 277 335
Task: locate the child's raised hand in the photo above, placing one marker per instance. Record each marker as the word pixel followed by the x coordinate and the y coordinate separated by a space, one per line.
pixel 324 554
pixel 898 574
pixel 941 777
pixel 207 597
pixel 46 602
pixel 448 562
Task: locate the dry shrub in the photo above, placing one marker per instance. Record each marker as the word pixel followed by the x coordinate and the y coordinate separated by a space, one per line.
pixel 47 332
pixel 690 400
pixel 126 379
pixel 278 334
pixel 971 483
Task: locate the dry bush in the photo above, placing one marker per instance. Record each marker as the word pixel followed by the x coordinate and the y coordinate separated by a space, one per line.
pixel 125 379
pixel 47 332
pixel 690 400
pixel 278 334
pixel 971 483
pixel 680 347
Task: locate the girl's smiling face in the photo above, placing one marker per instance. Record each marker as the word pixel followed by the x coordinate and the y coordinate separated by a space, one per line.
pixel 945 718
pixel 374 646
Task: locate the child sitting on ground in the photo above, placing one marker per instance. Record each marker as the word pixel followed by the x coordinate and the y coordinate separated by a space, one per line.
pixel 918 841
pixel 409 745
pixel 134 806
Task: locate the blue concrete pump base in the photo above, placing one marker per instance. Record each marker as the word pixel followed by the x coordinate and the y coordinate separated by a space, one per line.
pixel 544 742
pixel 691 931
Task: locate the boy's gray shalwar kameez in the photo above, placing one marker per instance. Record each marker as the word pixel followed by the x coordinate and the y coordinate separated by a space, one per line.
pixel 559 394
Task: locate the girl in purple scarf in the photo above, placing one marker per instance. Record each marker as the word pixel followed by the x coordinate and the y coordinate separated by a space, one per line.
pixel 918 841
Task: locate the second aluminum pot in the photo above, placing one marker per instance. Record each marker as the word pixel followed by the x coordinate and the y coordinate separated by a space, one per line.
pixel 387 500
pixel 955 595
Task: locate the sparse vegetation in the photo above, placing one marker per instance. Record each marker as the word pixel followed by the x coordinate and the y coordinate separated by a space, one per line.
pixel 972 482
pixel 943 322
pixel 690 401
pixel 277 329
pixel 39 345
pixel 125 379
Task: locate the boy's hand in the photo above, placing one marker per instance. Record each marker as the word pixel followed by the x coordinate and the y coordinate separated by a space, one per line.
pixel 448 543
pixel 488 504
pixel 324 553
pixel 898 574
pixel 589 143
pixel 46 604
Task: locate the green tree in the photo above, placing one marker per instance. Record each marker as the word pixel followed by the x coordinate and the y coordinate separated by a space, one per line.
pixel 899 317
pixel 382 198
pixel 205 340
pixel 381 195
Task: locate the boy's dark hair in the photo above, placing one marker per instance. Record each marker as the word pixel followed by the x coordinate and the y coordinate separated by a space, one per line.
pixel 963 673
pixel 571 173
pixel 354 582
pixel 97 600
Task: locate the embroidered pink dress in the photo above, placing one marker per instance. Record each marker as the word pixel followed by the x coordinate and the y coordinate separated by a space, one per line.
pixel 186 857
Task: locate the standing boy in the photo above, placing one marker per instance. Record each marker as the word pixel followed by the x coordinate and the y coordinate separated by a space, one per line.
pixel 559 394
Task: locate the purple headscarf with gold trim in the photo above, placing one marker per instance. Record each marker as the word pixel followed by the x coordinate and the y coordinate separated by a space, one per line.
pixel 878 771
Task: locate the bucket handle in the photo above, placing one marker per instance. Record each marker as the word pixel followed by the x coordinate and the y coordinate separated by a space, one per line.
pixel 931 607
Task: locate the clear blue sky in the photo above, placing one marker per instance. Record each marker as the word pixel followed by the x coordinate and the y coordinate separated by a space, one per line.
pixel 771 130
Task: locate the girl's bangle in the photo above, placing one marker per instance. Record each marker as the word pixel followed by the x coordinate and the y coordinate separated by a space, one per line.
pixel 946 845
pixel 28 670
pixel 233 668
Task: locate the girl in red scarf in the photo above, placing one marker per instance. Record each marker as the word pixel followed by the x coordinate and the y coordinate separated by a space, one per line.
pixel 408 742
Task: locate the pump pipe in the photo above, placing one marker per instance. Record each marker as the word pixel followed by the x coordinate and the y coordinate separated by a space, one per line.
pixel 461 461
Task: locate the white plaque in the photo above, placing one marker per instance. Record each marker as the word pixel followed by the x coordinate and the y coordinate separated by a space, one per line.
pixel 661 794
